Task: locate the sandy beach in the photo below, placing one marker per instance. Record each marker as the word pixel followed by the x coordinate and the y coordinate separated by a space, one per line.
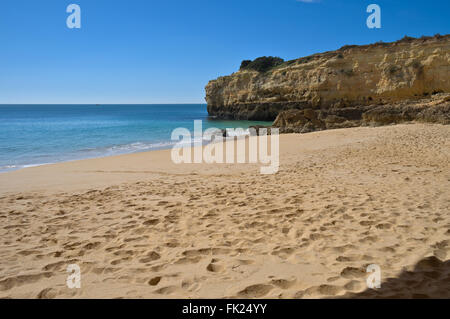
pixel 140 226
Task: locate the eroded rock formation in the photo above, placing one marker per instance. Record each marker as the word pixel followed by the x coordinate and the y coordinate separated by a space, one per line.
pixel 380 83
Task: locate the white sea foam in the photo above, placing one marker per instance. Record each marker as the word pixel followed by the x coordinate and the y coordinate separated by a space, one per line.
pixel 8 168
pixel 99 152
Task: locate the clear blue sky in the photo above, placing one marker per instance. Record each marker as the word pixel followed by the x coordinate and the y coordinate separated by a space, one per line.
pixel 165 51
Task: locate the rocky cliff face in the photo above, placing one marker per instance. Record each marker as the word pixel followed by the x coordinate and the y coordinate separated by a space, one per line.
pixel 379 83
pixel 435 109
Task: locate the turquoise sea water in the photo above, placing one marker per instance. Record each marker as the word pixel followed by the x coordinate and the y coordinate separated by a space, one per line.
pixel 41 134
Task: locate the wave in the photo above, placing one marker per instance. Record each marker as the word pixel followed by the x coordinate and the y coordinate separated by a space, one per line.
pixel 126 148
pixel 98 152
pixel 8 168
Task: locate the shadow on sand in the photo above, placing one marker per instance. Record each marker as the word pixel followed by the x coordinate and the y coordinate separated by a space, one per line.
pixel 429 279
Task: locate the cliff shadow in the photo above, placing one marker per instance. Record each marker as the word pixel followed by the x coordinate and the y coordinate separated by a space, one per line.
pixel 429 279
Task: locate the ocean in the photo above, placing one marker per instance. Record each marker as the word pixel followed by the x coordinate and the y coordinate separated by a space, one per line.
pixel 32 135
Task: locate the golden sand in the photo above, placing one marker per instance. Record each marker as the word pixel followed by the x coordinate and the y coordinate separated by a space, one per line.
pixel 140 226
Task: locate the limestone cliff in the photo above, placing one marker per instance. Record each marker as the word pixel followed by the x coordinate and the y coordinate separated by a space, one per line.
pixel 378 83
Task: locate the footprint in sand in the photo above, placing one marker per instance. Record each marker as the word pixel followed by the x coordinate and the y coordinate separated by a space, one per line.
pixel 319 291
pixel 352 272
pixel 255 291
pixel 151 222
pixel 151 256
pixel 283 283
pixel 154 281
pixel 212 267
pixel 167 290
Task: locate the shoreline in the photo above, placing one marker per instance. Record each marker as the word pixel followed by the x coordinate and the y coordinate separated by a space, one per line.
pixel 82 159
pixel 151 147
pixel 45 134
pixel 115 163
pixel 162 160
pixel 160 148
